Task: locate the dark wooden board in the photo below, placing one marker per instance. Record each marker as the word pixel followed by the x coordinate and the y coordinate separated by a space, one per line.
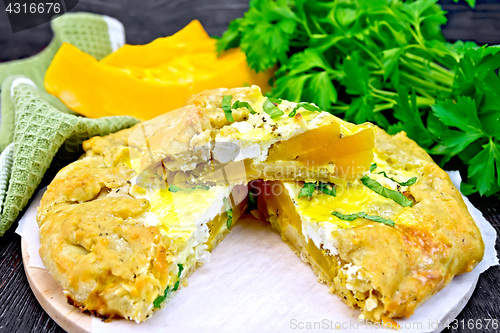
pixel 147 20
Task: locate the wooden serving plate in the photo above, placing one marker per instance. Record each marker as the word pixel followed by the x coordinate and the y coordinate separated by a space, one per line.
pixel 50 296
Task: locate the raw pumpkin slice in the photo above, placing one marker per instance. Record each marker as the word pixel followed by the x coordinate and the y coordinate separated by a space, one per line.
pixel 145 81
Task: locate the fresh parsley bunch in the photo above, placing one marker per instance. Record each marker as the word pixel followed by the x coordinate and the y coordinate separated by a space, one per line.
pixel 384 61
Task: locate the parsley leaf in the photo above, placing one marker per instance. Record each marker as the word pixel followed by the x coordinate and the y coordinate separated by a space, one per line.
pixel 304 105
pixel 177 283
pixel 323 86
pixel 409 182
pixel 461 113
pixel 264 34
pixel 346 217
pixel 327 188
pixel 386 62
pixel 229 212
pixel 158 300
pixel 309 188
pixel 241 104
pixel 482 167
pixel 272 109
pixel 407 112
pixel 226 106
pixel 231 38
pixel 174 188
pixel 471 3
pixel 352 217
pixel 386 192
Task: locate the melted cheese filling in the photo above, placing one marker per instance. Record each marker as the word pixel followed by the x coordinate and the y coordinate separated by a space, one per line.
pixel 195 219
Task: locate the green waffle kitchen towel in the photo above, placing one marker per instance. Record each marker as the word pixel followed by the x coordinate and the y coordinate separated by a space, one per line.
pixel 40 130
pixel 6 159
pixel 94 34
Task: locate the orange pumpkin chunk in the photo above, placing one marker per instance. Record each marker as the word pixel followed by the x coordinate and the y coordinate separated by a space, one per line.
pixel 305 142
pixel 347 146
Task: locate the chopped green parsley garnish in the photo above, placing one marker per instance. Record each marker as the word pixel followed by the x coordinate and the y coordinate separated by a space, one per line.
pixel 181 268
pixel 304 105
pixel 409 182
pixel 229 210
pixel 352 217
pixel 386 192
pixel 272 109
pixel 240 104
pixel 275 100
pixel 174 188
pixel 308 189
pixel 157 302
pixel 226 106
pixel 252 199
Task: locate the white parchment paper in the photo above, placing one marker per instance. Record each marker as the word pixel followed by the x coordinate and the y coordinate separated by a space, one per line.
pixel 255 282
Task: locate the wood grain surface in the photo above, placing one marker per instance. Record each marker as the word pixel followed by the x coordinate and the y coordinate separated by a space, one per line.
pixel 147 20
pixel 49 294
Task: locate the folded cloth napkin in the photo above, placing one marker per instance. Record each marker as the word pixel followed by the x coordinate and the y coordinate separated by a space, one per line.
pixel 40 130
pixel 37 129
pixel 94 34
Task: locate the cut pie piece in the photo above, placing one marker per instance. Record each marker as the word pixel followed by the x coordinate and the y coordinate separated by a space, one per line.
pixel 120 242
pixel 386 253
pixel 267 139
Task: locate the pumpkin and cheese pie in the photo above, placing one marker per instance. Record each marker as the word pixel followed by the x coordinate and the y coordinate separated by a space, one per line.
pixel 122 227
pixel 384 243
pixel 120 242
pixel 270 139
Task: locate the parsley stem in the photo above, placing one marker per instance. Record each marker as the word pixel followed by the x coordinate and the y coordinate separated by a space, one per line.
pixel 431 64
pixel 383 92
pixel 423 92
pixel 447 80
pixel 364 48
pixel 339 108
pixel 382 107
pixel 303 21
pixel 384 98
pixel 421 38
pixel 320 29
pixel 425 101
pixel 423 83
pixel 417 38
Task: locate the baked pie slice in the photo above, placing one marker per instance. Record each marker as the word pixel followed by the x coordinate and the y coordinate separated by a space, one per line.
pixel 263 138
pixel 384 243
